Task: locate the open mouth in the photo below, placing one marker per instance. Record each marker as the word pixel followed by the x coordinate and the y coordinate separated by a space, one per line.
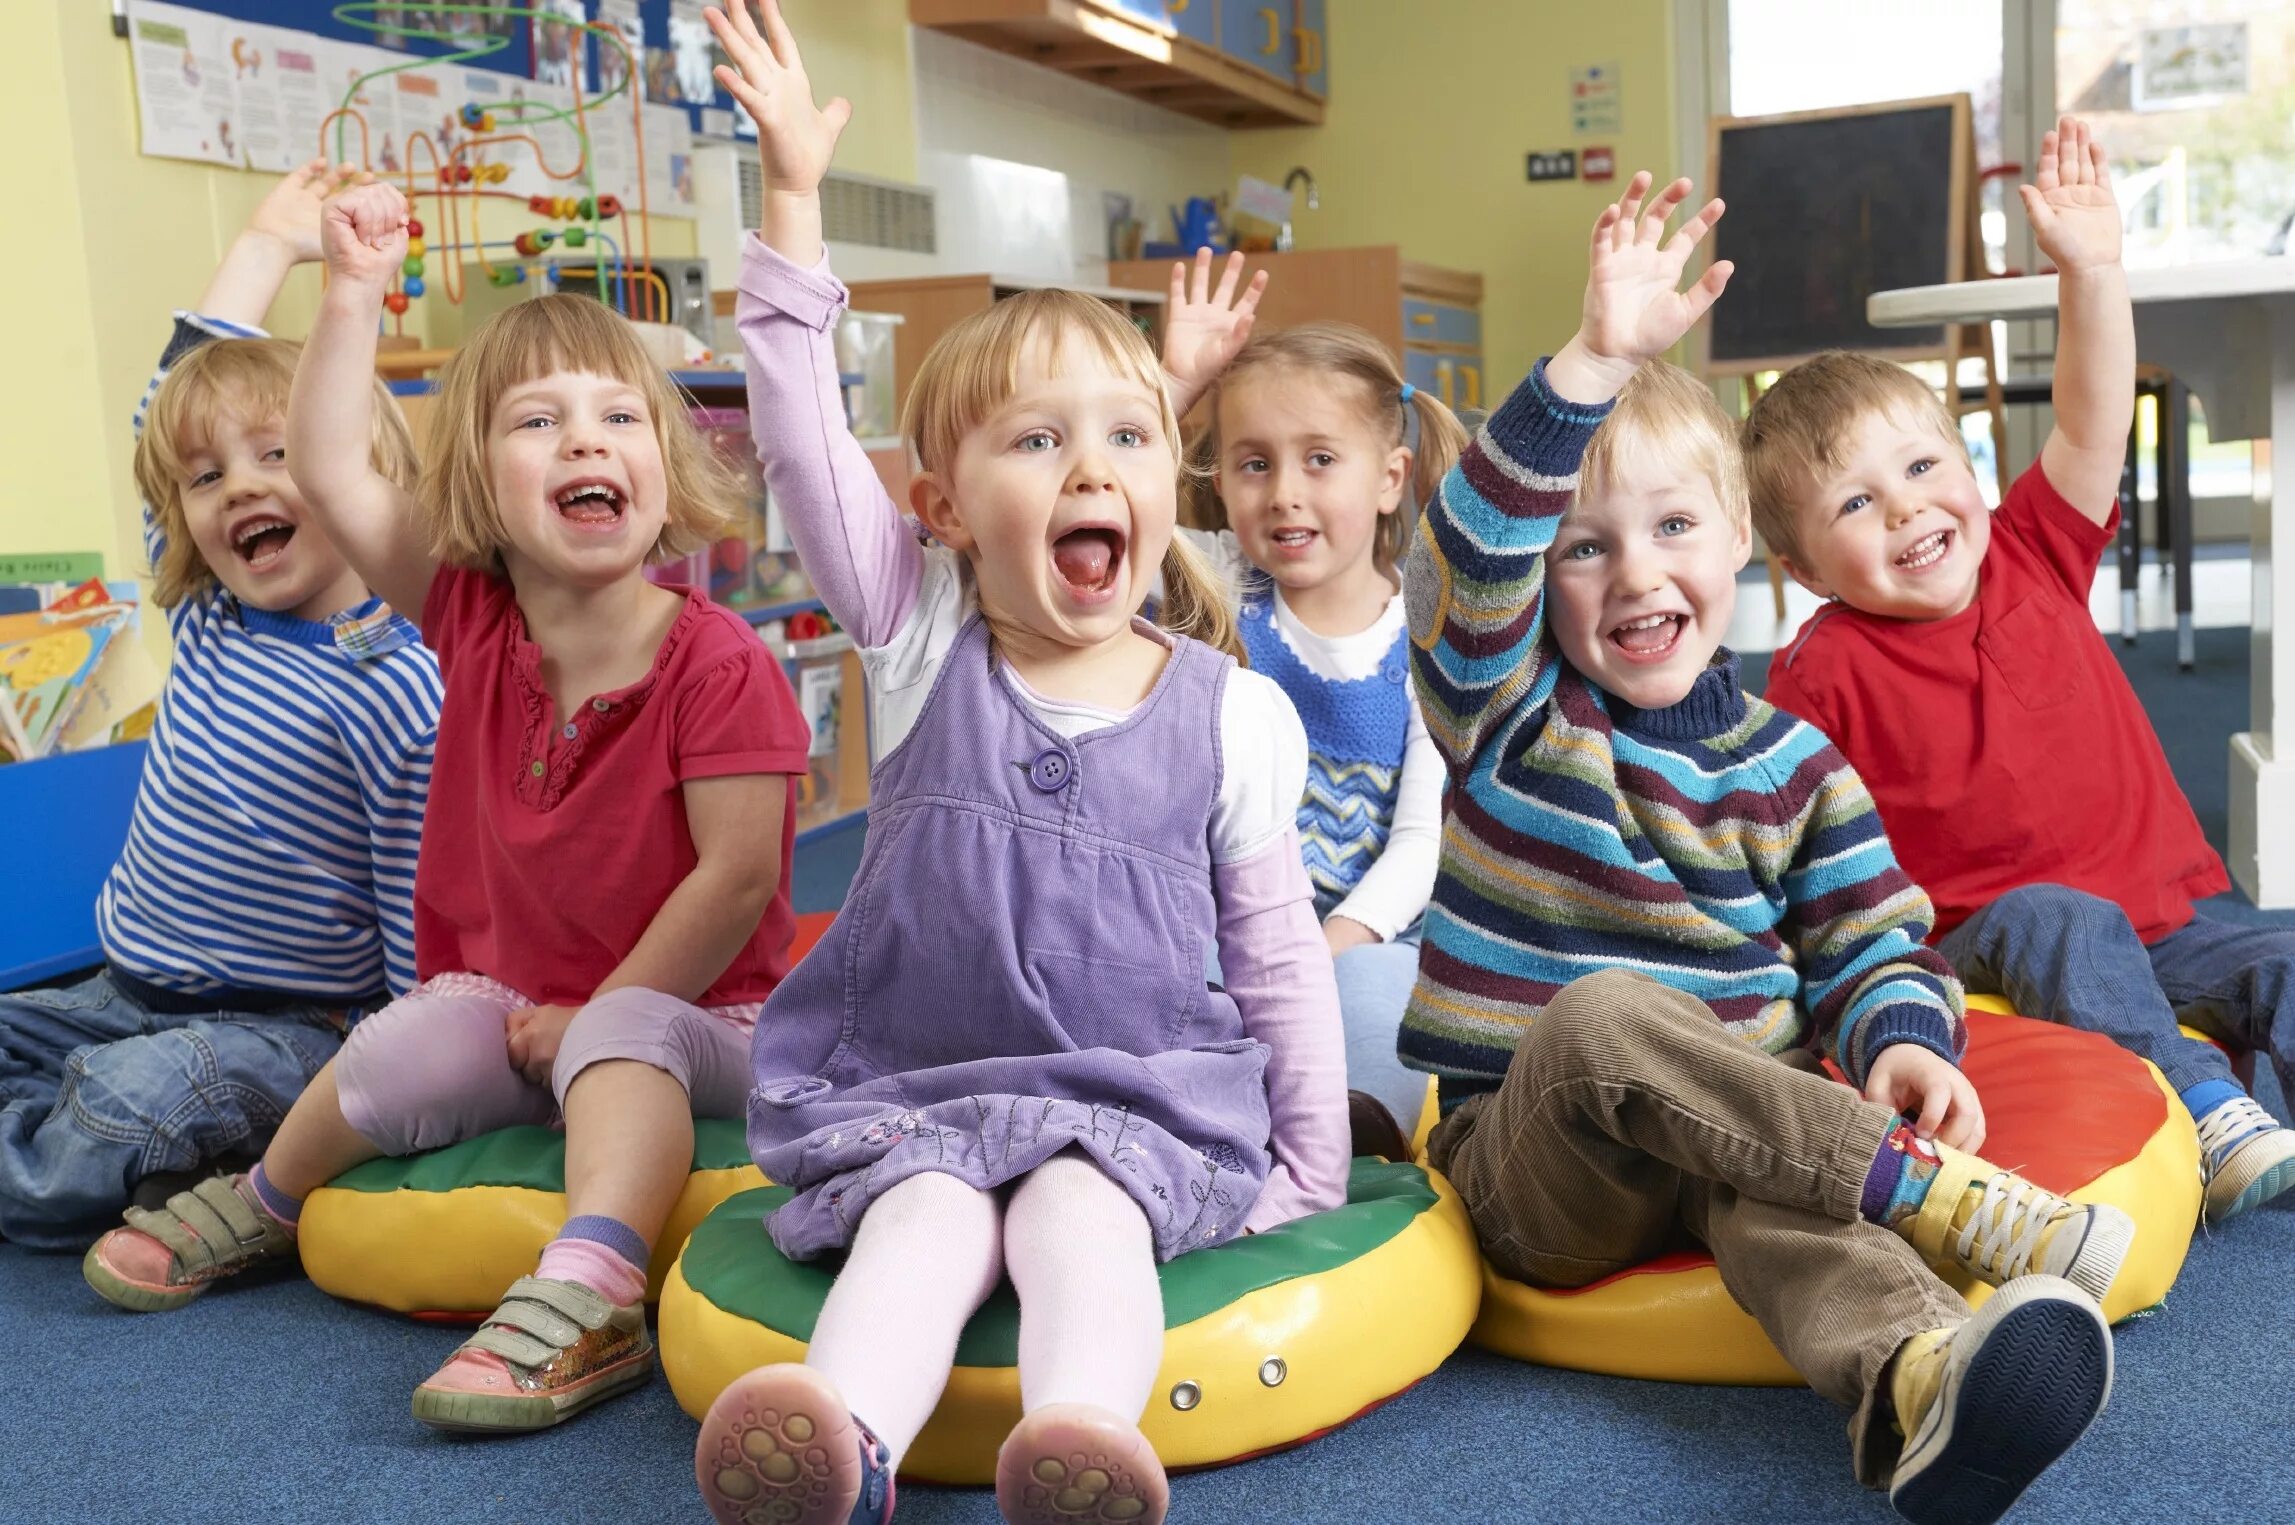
pixel 1926 552
pixel 594 505
pixel 262 540
pixel 1294 541
pixel 1649 639
pixel 1089 561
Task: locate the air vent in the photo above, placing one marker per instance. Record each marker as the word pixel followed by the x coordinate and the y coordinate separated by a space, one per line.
pixel 855 209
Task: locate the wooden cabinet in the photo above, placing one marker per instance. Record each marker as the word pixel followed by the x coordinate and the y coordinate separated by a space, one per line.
pixel 1430 318
pixel 1233 63
pixel 931 305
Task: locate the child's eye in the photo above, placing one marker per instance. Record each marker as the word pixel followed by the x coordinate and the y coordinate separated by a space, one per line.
pixel 1584 550
pixel 539 421
pixel 275 453
pixel 1036 441
pixel 1921 467
pixel 1674 524
pixel 205 478
pixel 622 416
pixel 1128 437
pixel 1322 458
pixel 1255 464
pixel 1855 503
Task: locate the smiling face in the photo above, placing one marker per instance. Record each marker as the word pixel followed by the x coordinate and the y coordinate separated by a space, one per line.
pixel 1899 528
pixel 1306 475
pixel 574 464
pixel 249 525
pixel 1063 496
pixel 1642 579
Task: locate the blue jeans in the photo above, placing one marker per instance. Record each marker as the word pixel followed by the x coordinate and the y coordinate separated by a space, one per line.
pixel 1375 982
pixel 2069 957
pixel 97 1092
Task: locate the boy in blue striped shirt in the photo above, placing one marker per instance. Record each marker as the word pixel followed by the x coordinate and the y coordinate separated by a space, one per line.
pixel 265 892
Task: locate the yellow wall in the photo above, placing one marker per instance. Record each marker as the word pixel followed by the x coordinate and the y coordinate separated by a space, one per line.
pixel 113 241
pixel 1434 105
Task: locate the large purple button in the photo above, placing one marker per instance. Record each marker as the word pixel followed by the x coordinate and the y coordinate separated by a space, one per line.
pixel 1050 771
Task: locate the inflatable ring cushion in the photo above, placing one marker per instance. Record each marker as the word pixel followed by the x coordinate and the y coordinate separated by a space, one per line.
pixel 1269 1340
pixel 2133 1145
pixel 444 1234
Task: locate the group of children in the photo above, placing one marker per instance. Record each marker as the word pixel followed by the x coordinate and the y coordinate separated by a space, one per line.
pixel 1483 752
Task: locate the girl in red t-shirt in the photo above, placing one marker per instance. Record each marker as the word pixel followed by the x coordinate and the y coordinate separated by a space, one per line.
pixel 600 907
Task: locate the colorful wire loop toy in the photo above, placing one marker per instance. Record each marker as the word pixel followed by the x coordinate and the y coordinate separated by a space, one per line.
pixel 473 170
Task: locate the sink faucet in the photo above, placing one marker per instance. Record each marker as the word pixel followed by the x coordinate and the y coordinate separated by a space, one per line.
pixel 1298 173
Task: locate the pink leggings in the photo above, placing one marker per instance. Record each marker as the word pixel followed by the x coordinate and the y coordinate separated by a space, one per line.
pixel 432 1068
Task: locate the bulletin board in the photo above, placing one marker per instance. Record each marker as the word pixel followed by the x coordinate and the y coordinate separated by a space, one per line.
pixel 1828 207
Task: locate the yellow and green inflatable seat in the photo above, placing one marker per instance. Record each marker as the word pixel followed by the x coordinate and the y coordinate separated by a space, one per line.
pixel 1269 1340
pixel 444 1234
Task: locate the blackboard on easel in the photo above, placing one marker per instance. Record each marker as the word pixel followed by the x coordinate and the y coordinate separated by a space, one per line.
pixel 1828 207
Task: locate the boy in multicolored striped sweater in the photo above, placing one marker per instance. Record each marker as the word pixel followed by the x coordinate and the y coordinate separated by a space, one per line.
pixel 266 887
pixel 1662 903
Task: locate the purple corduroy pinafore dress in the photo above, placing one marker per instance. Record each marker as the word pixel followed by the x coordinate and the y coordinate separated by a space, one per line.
pixel 1018 970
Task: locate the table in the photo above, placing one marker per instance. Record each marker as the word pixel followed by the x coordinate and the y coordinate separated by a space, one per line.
pixel 2228 332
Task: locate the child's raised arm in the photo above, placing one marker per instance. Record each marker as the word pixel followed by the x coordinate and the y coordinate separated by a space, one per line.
pixel 1475 580
pixel 281 233
pixel 330 413
pixel 2076 222
pixel 861 556
pixel 1202 328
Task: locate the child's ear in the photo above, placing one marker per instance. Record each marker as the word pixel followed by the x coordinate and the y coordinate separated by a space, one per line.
pixel 1742 551
pixel 1802 575
pixel 1397 478
pixel 929 501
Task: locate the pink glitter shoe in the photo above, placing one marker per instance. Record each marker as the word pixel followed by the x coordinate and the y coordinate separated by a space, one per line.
pixel 779 1447
pixel 552 1349
pixel 1074 1464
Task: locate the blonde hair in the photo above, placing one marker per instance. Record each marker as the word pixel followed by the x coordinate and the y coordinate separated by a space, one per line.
pixel 533 339
pixel 1801 426
pixel 974 367
pixel 1342 354
pixel 1666 415
pixel 247 380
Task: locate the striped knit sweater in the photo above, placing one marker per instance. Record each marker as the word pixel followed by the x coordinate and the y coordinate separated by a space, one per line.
pixel 1719 845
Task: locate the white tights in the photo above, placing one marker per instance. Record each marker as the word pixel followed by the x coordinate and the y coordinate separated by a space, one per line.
pixel 929 1252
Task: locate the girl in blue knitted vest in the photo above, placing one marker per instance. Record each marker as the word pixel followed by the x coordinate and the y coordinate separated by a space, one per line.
pixel 1321 454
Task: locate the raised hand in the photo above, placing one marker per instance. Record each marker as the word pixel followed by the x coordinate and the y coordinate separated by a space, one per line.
pixel 1634 309
pixel 2075 218
pixel 289 215
pixel 795 138
pixel 363 234
pixel 1203 328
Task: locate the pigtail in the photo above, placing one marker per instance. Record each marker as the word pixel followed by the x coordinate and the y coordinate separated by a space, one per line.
pixel 1194 602
pixel 1436 445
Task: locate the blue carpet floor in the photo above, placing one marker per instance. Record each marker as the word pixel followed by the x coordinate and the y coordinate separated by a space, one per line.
pixel 275 1403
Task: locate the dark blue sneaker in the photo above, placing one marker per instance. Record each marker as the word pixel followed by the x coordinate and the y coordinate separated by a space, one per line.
pixel 2022 1380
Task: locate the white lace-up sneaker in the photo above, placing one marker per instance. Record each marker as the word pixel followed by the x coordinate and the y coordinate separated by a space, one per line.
pixel 1998 1226
pixel 2245 1158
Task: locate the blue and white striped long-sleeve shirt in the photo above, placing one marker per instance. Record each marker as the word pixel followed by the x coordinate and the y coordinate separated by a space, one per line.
pixel 273 845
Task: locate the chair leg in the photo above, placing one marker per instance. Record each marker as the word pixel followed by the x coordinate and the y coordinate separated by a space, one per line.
pixel 2131 538
pixel 2176 511
pixel 1777 586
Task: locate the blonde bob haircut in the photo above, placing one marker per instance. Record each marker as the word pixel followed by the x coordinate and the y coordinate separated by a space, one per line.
pixel 246 380
pixel 1669 419
pixel 1341 354
pixel 1802 427
pixel 536 338
pixel 974 368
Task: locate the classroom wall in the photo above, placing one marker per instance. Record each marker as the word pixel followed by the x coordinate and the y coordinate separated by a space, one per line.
pixel 1433 107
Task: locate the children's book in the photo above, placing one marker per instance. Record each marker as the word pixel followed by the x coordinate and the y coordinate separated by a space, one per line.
pixel 47 658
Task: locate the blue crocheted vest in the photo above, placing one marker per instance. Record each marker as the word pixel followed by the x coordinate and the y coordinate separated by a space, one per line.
pixel 1355 736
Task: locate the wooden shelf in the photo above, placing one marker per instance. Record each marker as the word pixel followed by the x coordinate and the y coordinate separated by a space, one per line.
pixel 1131 56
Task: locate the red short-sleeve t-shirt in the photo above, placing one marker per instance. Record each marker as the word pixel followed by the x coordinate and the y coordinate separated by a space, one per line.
pixel 549 845
pixel 2004 745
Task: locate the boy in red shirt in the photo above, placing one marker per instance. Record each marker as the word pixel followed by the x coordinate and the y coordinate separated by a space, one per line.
pixel 1959 670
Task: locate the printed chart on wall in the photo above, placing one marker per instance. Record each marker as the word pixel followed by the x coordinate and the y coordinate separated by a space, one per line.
pixel 245 93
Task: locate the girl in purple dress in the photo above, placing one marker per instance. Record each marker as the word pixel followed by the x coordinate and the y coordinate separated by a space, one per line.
pixel 1003 1061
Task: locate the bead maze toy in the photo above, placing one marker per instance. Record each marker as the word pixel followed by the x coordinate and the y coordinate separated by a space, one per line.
pixel 475 167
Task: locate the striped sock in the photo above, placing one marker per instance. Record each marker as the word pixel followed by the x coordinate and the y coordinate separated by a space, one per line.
pixel 1898 1182
pixel 604 1254
pixel 285 1210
